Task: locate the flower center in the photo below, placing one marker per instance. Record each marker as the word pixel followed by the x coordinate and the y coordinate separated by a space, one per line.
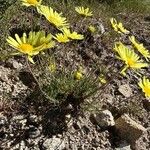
pixel 26 48
pixel 34 2
pixel 147 90
pixel 130 62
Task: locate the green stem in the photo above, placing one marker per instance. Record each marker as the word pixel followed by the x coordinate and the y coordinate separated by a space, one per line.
pixel 36 80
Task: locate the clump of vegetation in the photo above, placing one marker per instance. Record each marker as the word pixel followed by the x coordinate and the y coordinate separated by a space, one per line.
pixel 59 83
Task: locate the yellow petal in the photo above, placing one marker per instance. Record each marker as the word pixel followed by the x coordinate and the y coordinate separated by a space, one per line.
pixel 18 39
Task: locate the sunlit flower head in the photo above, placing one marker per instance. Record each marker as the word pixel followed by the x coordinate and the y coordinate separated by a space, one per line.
pixel 102 78
pixel 118 27
pixel 31 2
pixel 130 58
pixel 74 35
pixel 83 11
pixel 53 17
pixel 61 38
pixel 140 48
pixel 145 86
pixel 31 44
pixel 78 75
pixel 92 29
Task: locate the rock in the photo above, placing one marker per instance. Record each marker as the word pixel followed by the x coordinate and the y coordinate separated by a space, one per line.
pixel 3 120
pixel 123 146
pixel 4 73
pixel 35 143
pixel 129 129
pixel 104 119
pixel 20 146
pixel 34 132
pixel 146 103
pixel 18 117
pixel 8 84
pixel 18 88
pixel 12 63
pixel 17 65
pixel 108 98
pixel 17 121
pixel 125 90
pixel 33 119
pixel 54 143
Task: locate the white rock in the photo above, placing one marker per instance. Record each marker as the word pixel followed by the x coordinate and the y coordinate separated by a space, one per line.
pixel 125 90
pixel 4 73
pixel 54 143
pixel 104 119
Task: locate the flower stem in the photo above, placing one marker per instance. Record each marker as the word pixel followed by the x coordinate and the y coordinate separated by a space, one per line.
pixel 36 80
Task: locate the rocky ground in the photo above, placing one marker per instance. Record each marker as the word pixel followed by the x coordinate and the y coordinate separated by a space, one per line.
pixel 118 117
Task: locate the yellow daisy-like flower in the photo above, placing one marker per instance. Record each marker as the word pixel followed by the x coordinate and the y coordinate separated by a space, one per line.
pixel 83 11
pixel 145 86
pixel 118 27
pixel 31 2
pixel 92 29
pixel 140 48
pixel 130 58
pixel 31 45
pixel 102 79
pixel 74 35
pixel 78 75
pixel 53 17
pixel 62 38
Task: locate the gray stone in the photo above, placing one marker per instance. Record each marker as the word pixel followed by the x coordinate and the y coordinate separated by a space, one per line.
pixel 17 65
pixel 4 72
pixel 125 90
pixel 108 98
pixel 20 146
pixel 33 119
pixel 3 120
pixel 123 146
pixel 129 129
pixel 18 117
pixel 54 143
pixel 104 119
pixel 34 132
pixel 14 64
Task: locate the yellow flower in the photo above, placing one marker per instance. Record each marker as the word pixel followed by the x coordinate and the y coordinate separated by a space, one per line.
pixel 118 27
pixel 91 28
pixel 74 35
pixel 52 67
pixel 31 45
pixel 31 2
pixel 83 11
pixel 140 48
pixel 102 78
pixel 53 17
pixel 78 75
pixel 61 38
pixel 114 24
pixel 145 86
pixel 130 58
